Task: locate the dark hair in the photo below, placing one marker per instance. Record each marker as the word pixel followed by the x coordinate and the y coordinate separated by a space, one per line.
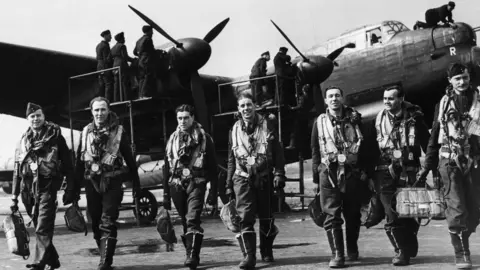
pixel 99 99
pixel 185 108
pixel 245 94
pixel 333 87
pixel 399 89
pixel 451 3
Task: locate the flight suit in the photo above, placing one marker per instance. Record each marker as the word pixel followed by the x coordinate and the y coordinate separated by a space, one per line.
pixel 100 157
pixel 121 59
pixel 339 182
pixel 404 134
pixel 190 161
pixel 259 69
pixel 286 83
pixel 457 162
pixel 105 79
pixel 38 176
pixel 145 50
pixel 255 154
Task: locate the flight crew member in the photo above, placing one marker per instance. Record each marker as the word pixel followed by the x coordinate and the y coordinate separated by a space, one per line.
pixel 401 134
pixel 259 69
pixel 145 50
pixel 103 149
pixel 337 168
pixel 298 134
pixel 255 157
pixel 190 161
pixel 104 61
pixel 455 147
pixel 38 176
pixel 121 59
pixel 286 82
pixel 435 15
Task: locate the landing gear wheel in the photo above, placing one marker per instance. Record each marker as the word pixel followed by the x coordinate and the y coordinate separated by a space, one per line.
pixel 148 207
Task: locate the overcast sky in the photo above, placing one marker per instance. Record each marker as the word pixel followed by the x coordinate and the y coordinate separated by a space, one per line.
pixel 75 26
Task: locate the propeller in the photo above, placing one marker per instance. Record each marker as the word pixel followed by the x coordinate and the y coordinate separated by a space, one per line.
pixel 289 41
pixel 333 55
pixel 210 36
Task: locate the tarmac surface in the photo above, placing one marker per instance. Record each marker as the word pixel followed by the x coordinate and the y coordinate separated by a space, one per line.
pixel 299 245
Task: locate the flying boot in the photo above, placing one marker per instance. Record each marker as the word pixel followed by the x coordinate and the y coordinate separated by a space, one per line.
pixel 398 238
pixel 107 250
pixel 266 244
pixel 335 239
pixel 193 242
pixel 462 251
pixel 249 240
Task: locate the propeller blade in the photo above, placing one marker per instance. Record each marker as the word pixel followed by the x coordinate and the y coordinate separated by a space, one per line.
pixel 199 101
pixel 210 36
pixel 155 26
pixel 318 98
pixel 333 55
pixel 289 41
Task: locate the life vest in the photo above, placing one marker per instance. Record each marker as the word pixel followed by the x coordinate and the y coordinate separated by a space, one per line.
pixel 334 143
pixel 245 153
pixel 46 161
pixel 197 160
pixel 392 144
pixel 111 157
pixel 470 122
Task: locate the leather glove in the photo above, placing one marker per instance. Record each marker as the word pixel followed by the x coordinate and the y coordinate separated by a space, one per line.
pixel 422 174
pixel 167 202
pixel 279 181
pixel 230 194
pixel 212 198
pixel 14 206
pixel 69 196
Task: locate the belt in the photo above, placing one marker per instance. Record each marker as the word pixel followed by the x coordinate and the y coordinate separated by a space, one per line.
pixel 385 167
pixel 193 173
pixel 241 173
pixel 114 173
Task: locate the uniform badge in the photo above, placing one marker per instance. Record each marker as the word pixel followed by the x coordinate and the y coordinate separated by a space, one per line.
pixel 95 167
pixel 342 158
pixel 397 154
pixel 33 166
pixel 410 156
pixel 185 172
pixel 250 161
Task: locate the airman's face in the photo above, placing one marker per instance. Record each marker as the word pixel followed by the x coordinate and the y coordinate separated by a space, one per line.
pixel 185 120
pixel 108 37
pixel 460 82
pixel 36 119
pixel 246 108
pixel 391 100
pixel 334 99
pixel 100 112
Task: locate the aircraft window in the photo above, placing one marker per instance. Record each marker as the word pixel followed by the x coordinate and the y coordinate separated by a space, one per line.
pixel 375 36
pixel 390 28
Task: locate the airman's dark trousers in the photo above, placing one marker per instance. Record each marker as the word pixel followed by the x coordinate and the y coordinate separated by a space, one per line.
pixel 334 203
pixel 105 85
pixel 257 91
pixel 461 195
pixel 253 201
pixel 409 227
pixel 125 82
pixel 45 252
pixel 190 204
pixel 103 208
pixel 148 81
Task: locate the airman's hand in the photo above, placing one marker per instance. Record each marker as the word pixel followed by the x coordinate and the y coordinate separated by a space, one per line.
pixel 14 206
pixel 279 181
pixel 231 195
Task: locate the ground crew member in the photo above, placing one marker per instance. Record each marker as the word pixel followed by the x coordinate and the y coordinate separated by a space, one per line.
pixel 336 139
pixel 298 134
pixel 104 61
pixel 259 69
pixel 285 80
pixel 103 149
pixel 454 147
pixel 254 158
pixel 401 134
pixel 38 176
pixel 190 161
pixel 145 50
pixel 435 15
pixel 121 59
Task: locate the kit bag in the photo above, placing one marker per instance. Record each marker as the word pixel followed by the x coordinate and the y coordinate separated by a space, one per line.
pixel 230 217
pixel 74 219
pixel 17 235
pixel 420 202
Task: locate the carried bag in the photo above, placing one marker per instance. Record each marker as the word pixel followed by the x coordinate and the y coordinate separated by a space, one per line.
pixel 17 235
pixel 424 203
pixel 230 217
pixel 315 211
pixel 165 227
pixel 74 219
pixel 373 213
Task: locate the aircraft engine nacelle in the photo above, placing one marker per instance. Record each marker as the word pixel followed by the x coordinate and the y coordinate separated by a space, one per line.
pixel 191 56
pixel 315 71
